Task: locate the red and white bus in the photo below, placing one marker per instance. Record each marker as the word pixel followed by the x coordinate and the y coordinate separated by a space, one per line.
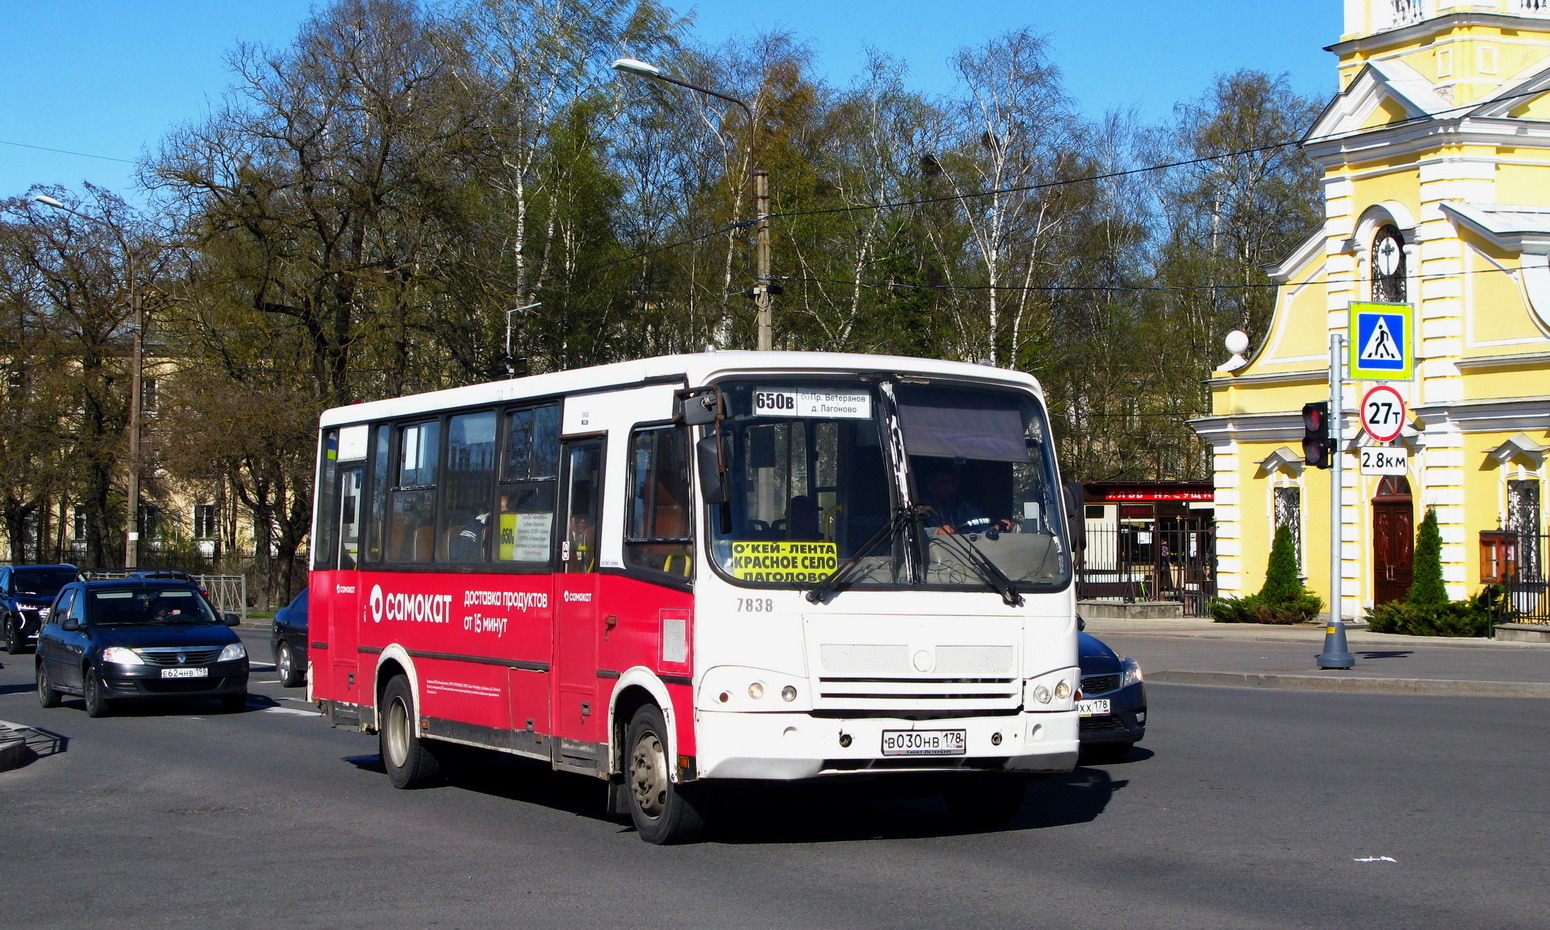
pixel 705 570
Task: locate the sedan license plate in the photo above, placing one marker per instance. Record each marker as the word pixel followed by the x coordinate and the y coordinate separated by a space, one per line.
pixel 924 742
pixel 185 673
pixel 1092 708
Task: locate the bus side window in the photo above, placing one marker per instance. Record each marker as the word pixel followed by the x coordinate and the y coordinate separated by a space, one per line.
pixel 412 524
pixel 323 548
pixel 468 479
pixel 529 475
pixel 379 480
pixel 658 536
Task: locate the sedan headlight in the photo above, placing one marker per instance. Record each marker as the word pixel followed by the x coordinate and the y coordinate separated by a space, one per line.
pixel 1130 673
pixel 120 655
pixel 233 652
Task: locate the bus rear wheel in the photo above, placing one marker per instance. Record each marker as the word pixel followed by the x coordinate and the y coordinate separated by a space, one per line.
pixel 664 813
pixel 411 762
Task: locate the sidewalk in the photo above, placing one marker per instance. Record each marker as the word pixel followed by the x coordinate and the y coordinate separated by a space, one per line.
pixel 1251 655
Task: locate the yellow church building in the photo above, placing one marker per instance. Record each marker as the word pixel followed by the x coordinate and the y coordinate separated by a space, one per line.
pixel 1436 162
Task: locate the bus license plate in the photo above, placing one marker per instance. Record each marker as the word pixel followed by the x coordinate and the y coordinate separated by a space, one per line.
pixel 185 673
pixel 1092 708
pixel 924 742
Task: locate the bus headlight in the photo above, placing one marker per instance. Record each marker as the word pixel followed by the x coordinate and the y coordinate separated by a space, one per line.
pixel 1052 691
pixel 739 688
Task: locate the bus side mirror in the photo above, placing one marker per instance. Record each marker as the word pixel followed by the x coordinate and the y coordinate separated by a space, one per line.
pixel 707 456
pixel 1076 519
pixel 701 409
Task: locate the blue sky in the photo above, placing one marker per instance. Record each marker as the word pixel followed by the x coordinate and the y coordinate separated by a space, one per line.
pixel 109 78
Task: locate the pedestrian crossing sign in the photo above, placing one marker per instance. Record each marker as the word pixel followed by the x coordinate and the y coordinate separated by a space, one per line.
pixel 1381 341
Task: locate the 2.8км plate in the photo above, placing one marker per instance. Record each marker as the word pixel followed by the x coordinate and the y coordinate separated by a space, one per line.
pixel 924 742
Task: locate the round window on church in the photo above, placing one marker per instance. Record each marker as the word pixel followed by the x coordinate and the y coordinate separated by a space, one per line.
pixel 1388 265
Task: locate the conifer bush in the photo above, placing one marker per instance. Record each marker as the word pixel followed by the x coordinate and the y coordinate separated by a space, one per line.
pixel 1425 609
pixel 1282 599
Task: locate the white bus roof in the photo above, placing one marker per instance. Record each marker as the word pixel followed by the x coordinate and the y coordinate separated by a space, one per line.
pixel 694 370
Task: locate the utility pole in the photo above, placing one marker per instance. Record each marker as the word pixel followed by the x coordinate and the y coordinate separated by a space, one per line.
pixel 762 289
pixel 761 294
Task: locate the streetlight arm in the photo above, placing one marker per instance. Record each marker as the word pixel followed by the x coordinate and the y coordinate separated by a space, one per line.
pixel 647 70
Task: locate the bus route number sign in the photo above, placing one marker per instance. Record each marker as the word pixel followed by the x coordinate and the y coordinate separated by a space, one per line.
pixel 1383 413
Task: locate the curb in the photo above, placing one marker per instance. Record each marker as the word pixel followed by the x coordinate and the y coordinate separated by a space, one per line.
pixel 1414 686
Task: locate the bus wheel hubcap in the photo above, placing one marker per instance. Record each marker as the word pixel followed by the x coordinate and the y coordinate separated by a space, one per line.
pixel 648 775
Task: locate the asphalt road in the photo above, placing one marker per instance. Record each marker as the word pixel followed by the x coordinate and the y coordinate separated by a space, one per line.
pixel 1246 809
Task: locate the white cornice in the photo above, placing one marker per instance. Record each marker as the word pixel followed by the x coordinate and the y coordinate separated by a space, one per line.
pixel 1311 376
pixel 1534 359
pixel 1419 32
pixel 1495 415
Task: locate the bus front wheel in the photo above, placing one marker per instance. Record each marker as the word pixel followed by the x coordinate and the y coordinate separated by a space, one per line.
pixel 411 762
pixel 664 813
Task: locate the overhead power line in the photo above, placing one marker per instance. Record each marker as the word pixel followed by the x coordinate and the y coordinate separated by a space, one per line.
pixel 44 148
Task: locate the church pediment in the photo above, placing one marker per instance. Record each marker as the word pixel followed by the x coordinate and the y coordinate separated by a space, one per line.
pixel 1382 94
pixel 1527 98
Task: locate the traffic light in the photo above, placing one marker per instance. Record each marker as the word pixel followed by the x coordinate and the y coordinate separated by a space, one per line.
pixel 1318 448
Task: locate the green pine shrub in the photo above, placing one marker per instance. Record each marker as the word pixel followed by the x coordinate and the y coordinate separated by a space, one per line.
pixel 1425 610
pixel 1426 585
pixel 1470 617
pixel 1282 600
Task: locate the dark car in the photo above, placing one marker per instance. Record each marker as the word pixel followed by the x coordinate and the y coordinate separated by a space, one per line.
pixel 288 640
pixel 110 641
pixel 167 574
pixel 26 591
pixel 1113 705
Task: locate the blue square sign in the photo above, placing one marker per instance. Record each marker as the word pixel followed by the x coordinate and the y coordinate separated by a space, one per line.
pixel 1380 342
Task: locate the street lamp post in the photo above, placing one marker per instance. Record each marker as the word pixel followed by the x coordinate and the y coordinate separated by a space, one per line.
pixel 136 369
pixel 761 184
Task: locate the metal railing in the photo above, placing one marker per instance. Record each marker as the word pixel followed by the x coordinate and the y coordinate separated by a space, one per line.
pixel 1526 592
pixel 229 593
pixel 1166 562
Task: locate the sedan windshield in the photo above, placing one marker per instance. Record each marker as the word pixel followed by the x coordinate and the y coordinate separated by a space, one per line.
pixel 131 606
pixel 42 582
pixel 920 485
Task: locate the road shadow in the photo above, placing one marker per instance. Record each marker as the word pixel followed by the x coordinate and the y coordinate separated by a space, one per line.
pixel 759 813
pixel 39 744
pixel 1386 653
pixel 176 706
pixel 18 688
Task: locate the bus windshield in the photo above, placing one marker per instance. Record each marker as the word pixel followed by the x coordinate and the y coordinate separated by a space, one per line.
pixel 902 484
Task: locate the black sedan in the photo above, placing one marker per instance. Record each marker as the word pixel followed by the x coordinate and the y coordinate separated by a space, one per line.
pixel 110 641
pixel 288 640
pixel 25 593
pixel 1113 705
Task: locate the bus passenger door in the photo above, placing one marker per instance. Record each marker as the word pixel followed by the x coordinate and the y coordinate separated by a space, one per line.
pixel 344 616
pixel 579 723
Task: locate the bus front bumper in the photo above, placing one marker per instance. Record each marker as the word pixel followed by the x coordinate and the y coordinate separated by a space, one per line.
pixel 789 747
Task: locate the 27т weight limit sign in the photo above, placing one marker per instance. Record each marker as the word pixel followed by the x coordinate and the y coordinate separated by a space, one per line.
pixel 1383 413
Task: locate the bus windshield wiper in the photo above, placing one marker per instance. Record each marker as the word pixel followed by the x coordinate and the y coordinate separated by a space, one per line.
pixel 888 531
pixel 988 570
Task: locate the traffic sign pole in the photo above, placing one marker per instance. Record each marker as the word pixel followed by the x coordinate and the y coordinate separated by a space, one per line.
pixel 1335 654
